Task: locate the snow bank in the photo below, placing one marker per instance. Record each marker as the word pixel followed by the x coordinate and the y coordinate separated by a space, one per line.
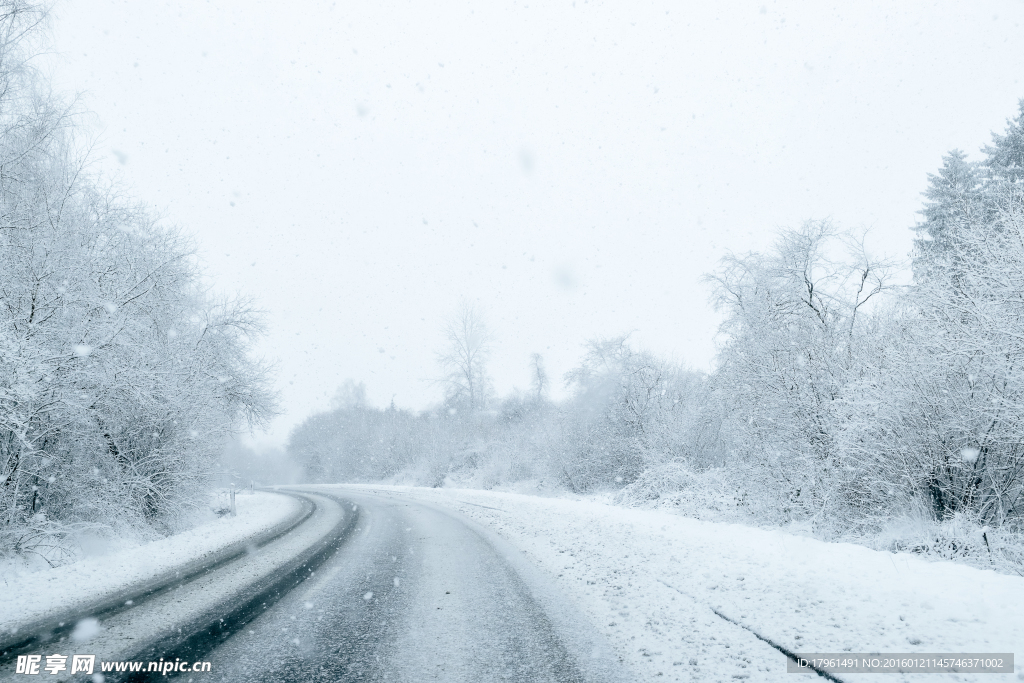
pixel 34 596
pixel 653 581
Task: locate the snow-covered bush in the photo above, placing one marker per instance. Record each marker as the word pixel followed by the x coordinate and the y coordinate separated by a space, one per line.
pixel 630 411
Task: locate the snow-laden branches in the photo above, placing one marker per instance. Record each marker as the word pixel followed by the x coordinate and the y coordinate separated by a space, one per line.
pixel 119 374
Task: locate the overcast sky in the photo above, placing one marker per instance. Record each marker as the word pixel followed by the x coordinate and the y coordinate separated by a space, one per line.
pixel 573 167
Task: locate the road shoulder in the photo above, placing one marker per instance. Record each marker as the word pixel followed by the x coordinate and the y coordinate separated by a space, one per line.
pixel 66 589
pixel 656 583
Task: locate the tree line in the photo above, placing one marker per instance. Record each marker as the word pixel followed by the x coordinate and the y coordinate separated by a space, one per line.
pixel 850 394
pixel 120 373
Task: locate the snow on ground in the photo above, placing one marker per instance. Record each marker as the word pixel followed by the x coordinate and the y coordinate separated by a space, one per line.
pixel 652 581
pixel 32 596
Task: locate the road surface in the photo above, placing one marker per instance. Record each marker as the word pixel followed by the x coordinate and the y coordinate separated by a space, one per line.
pixel 415 594
pixel 365 587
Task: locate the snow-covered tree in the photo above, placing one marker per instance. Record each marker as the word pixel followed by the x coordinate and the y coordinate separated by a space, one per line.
pixel 954 206
pixel 792 340
pixel 119 373
pixel 941 429
pixel 1004 160
pixel 628 412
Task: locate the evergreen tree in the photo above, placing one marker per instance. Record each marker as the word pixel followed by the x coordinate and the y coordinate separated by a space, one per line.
pixel 954 203
pixel 1006 156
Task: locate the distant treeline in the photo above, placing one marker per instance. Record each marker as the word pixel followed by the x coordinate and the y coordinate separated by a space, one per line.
pixel 630 412
pixel 850 396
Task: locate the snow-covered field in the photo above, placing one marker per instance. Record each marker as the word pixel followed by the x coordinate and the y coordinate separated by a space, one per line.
pixel 35 595
pixel 653 581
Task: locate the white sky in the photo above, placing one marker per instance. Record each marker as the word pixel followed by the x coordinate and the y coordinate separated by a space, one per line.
pixel 574 167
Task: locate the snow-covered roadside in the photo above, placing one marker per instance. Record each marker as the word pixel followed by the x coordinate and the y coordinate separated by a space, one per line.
pixel 652 582
pixel 33 596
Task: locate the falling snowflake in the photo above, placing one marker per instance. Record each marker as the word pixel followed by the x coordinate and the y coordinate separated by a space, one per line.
pixel 85 630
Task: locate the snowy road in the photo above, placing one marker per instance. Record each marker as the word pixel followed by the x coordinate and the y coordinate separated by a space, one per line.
pixel 417 594
pixel 368 588
pixel 407 584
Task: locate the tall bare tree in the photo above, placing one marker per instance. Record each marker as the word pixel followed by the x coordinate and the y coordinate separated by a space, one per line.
pixel 539 382
pixel 463 360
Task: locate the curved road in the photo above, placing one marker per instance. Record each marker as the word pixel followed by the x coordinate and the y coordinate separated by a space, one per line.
pixel 414 593
pixel 362 587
